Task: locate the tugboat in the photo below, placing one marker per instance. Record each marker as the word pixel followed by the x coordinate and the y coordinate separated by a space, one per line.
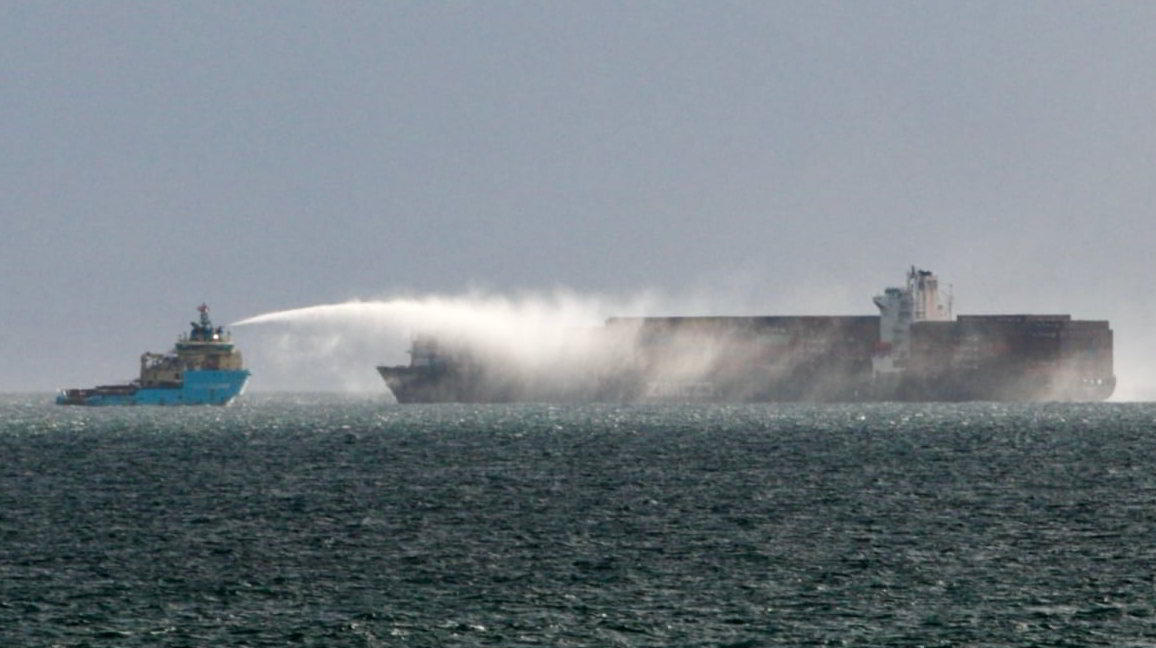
pixel 203 368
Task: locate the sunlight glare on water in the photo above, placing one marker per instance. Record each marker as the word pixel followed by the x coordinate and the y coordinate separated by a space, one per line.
pixel 349 521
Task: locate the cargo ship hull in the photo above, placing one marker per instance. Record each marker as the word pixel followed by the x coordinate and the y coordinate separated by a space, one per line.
pixel 415 385
pixel 914 350
pixel 1009 358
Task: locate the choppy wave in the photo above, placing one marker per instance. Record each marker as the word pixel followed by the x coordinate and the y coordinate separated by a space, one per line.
pixel 333 521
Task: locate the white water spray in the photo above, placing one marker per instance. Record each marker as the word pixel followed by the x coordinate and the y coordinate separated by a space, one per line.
pixel 336 346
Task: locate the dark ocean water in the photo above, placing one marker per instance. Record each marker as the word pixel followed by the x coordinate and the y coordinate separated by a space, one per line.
pixel 329 521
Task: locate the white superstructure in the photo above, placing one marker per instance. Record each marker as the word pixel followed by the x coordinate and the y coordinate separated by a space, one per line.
pixel 899 308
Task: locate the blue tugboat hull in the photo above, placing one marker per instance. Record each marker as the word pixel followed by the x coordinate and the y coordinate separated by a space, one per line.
pixel 207 387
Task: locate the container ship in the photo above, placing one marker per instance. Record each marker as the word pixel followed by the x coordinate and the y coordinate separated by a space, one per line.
pixel 913 350
pixel 204 368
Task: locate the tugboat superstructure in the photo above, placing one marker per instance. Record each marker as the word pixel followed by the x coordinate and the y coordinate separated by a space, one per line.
pixel 204 368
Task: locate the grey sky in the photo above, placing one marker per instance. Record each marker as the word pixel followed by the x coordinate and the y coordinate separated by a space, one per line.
pixel 752 157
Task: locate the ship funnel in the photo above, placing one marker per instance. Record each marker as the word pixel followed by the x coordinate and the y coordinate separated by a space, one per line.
pixel 923 286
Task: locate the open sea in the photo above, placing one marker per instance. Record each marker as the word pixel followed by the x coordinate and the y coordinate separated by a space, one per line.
pixel 321 520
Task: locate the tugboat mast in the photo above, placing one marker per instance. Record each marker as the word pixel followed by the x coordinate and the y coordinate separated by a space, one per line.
pixel 203 332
